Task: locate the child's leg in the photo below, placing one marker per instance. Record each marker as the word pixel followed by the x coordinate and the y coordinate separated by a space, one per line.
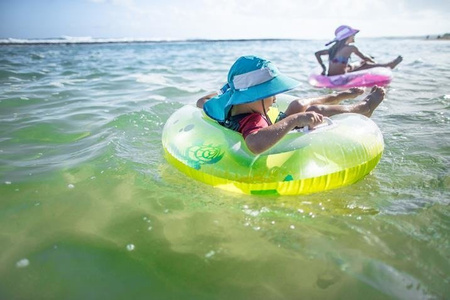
pixel 368 65
pixel 365 107
pixel 301 105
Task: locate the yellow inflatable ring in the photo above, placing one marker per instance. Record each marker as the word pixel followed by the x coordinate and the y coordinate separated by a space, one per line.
pixel 335 155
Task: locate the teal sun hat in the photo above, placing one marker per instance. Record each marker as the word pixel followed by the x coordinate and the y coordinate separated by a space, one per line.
pixel 250 79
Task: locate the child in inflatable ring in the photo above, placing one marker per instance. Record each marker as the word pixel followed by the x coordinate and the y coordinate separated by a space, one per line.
pixel 253 84
pixel 339 54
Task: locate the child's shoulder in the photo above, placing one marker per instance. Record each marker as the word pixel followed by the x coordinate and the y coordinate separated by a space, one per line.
pixel 348 49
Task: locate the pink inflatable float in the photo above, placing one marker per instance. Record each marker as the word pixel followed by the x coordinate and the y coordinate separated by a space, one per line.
pixel 366 78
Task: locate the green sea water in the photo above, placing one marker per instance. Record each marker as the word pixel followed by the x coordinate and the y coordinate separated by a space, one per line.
pixel 90 208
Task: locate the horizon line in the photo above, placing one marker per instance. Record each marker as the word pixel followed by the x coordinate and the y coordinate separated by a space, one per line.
pixel 65 40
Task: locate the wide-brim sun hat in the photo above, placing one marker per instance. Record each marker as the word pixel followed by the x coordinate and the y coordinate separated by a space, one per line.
pixel 250 79
pixel 343 32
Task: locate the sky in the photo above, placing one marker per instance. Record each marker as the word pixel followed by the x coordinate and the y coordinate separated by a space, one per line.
pixel 220 19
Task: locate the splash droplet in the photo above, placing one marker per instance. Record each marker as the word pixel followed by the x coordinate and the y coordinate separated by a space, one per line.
pixel 210 254
pixel 23 263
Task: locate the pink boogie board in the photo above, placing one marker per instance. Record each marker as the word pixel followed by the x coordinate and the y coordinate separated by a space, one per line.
pixel 365 78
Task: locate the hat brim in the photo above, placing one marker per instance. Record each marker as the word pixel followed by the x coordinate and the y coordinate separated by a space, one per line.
pixel 277 85
pixel 215 107
pixel 218 107
pixel 352 32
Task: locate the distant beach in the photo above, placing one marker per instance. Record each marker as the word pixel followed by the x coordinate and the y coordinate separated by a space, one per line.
pixel 445 36
pixel 68 40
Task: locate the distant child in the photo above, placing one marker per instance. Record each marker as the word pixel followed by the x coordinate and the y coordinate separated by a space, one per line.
pixel 339 54
pixel 253 84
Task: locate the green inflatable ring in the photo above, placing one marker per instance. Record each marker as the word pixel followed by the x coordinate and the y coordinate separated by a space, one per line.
pixel 335 155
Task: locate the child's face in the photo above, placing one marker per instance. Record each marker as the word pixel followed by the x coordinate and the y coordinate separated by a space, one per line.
pixel 269 101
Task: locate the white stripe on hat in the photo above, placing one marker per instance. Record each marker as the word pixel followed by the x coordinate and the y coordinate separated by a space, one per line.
pixel 342 33
pixel 252 78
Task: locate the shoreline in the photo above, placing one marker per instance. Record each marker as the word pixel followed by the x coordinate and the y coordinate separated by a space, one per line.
pixel 93 41
pixel 55 41
pixel 444 37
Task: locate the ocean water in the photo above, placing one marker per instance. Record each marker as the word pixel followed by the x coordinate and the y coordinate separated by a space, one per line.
pixel 90 209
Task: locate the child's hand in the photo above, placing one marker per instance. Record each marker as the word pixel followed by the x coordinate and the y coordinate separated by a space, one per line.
pixel 324 70
pixel 369 59
pixel 310 119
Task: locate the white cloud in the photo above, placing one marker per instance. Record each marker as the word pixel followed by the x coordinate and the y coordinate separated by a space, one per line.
pixel 277 19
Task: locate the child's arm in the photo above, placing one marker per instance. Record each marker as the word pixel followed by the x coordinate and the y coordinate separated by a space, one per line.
pixel 361 55
pixel 319 59
pixel 267 137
